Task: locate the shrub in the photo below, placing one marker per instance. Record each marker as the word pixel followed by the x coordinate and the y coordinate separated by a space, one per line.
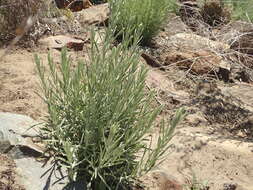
pixel 100 116
pixel 149 15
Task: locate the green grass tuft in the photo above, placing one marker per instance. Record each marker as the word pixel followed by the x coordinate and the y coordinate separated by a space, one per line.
pixel 147 16
pixel 100 116
pixel 241 9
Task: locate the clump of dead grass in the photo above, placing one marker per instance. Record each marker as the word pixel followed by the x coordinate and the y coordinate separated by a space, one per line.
pixel 215 13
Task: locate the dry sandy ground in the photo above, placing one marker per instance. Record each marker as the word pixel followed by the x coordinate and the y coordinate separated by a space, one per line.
pixel 19 85
pixel 210 158
pixel 8 175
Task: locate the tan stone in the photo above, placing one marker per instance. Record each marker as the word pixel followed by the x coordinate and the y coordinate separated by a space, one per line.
pixel 198 62
pixel 93 15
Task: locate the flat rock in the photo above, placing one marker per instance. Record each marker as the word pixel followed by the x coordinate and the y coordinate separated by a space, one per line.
pixel 94 15
pixel 34 175
pixel 242 92
pixel 174 26
pixel 60 41
pixel 16 132
pixel 193 41
pixel 156 80
pixel 199 62
pixel 196 54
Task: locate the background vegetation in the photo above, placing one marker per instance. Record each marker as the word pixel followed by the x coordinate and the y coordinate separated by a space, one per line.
pixel 241 9
pixel 145 15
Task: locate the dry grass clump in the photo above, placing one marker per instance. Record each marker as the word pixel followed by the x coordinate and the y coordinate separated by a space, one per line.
pixel 215 13
pixel 244 43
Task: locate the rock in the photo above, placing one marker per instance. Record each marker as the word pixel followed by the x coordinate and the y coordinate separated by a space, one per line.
pixel 34 175
pixel 198 62
pixel 60 41
pixel 196 54
pixel 195 42
pixel 18 138
pixel 196 119
pixel 239 36
pixel 156 80
pixel 166 182
pixel 15 129
pixel 98 14
pixel 241 92
pixel 229 186
pixel 174 26
pixel 150 60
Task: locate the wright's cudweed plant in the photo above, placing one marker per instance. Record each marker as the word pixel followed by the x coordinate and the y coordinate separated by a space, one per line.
pixel 100 116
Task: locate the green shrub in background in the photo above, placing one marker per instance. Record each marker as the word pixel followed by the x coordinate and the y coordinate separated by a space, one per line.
pixel 241 9
pixel 149 15
pixel 100 116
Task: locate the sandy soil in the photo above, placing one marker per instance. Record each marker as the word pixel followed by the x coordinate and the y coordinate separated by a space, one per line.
pixel 8 175
pixel 19 85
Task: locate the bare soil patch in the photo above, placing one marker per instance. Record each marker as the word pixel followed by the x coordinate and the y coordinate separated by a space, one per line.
pixel 8 175
pixel 20 84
